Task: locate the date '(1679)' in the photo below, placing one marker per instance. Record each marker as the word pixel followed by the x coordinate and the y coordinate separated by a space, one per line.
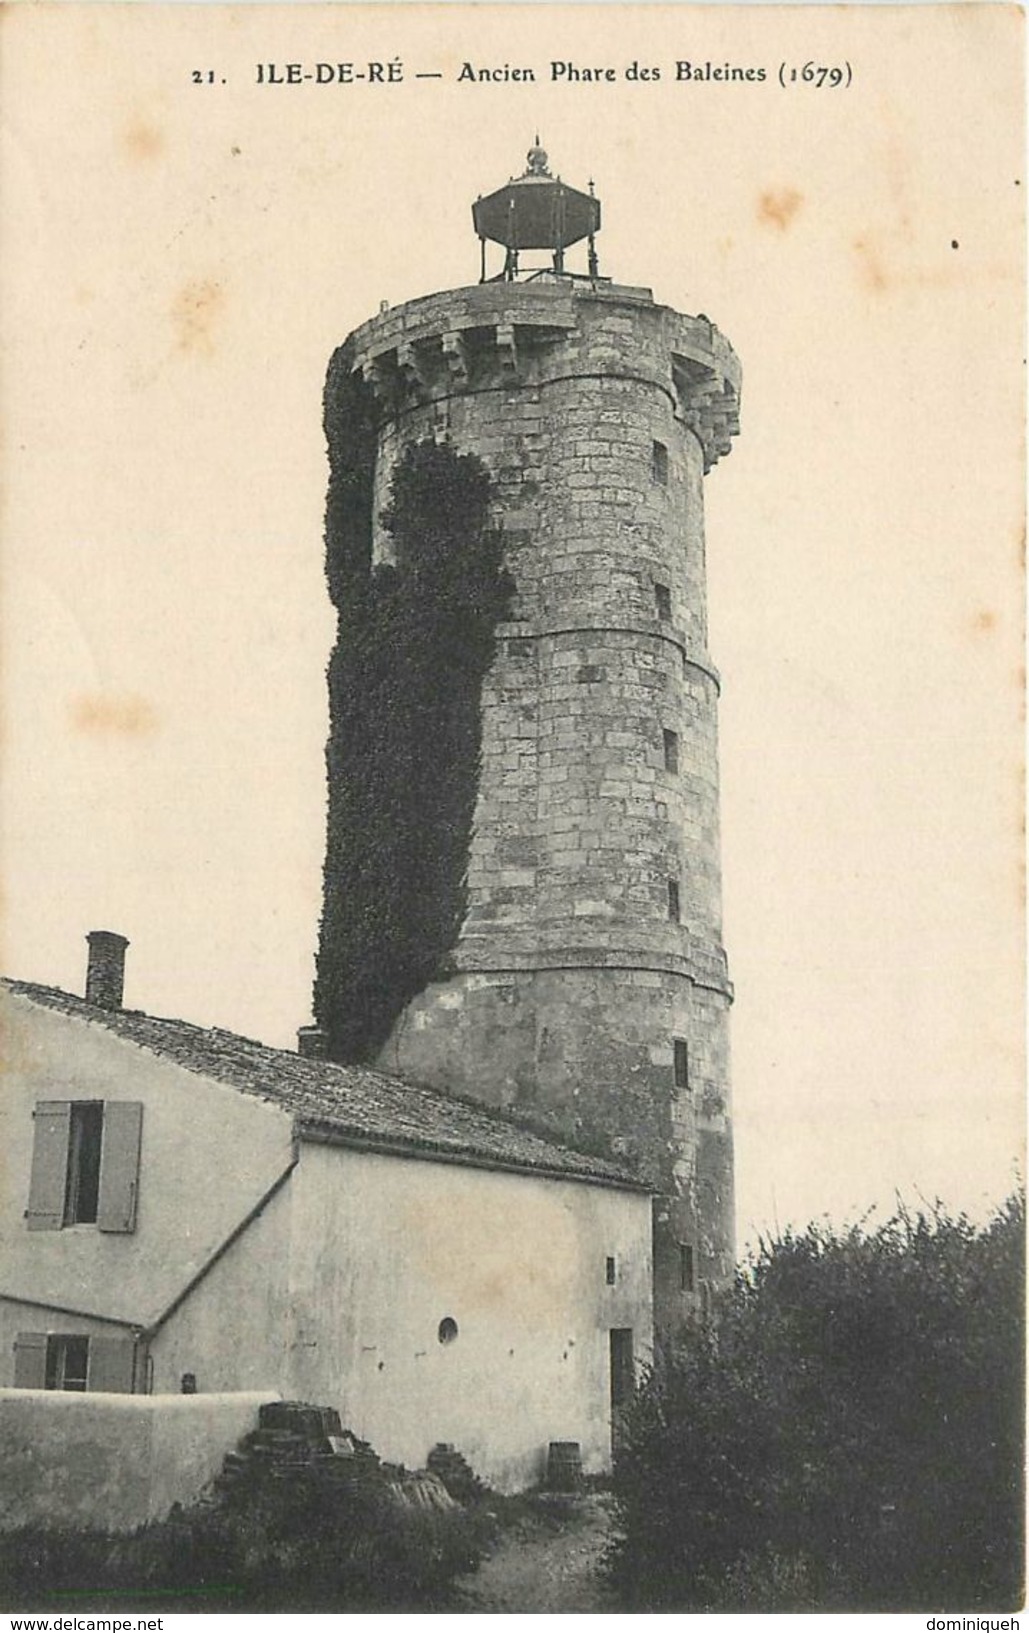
pixel 819 75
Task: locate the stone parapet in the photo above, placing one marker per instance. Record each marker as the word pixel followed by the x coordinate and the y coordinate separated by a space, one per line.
pixel 491 335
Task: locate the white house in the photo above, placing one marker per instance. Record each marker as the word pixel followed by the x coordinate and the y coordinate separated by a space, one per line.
pixel 186 1209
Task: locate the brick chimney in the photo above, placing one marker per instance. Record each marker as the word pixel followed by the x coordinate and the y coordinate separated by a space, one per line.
pixel 105 972
pixel 312 1042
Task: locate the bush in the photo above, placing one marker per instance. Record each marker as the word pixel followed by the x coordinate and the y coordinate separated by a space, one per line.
pixel 845 1433
pixel 296 1543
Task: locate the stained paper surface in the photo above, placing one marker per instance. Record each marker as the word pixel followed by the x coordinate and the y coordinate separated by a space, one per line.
pixel 191 225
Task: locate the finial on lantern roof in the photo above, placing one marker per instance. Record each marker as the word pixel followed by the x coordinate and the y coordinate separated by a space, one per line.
pixel 537 159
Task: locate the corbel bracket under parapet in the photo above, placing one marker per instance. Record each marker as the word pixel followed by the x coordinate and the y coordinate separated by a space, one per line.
pixel 411 371
pixel 456 358
pixel 507 351
pixel 381 376
pixel 709 405
pixel 420 369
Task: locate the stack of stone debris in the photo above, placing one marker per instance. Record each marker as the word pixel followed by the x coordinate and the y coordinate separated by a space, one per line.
pixel 298 1442
pixel 293 1438
pixel 455 1473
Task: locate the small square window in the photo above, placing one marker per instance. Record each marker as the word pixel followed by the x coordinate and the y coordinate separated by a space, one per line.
pixel 673 900
pixel 686 1273
pixel 663 600
pixel 659 463
pixel 681 1060
pixel 611 1271
pixel 671 744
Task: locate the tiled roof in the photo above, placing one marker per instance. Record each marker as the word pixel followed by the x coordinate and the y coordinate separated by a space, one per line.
pixel 351 1105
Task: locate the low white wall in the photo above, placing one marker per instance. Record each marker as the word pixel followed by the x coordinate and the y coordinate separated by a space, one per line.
pixel 112 1462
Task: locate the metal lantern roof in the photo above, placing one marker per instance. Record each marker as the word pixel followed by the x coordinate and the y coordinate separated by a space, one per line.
pixel 536 210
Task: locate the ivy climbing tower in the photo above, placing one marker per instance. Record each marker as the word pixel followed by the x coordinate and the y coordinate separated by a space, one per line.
pixel 543 929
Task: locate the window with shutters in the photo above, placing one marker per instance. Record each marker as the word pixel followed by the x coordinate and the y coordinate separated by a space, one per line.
pixel 67 1361
pixel 99 1363
pixel 85 1135
pixel 85 1164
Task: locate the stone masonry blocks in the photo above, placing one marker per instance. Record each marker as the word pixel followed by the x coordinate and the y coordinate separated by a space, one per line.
pixel 592 942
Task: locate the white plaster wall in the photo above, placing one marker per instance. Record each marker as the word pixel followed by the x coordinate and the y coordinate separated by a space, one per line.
pixel 383 1248
pixel 232 1331
pixel 112 1462
pixel 190 1435
pixel 208 1154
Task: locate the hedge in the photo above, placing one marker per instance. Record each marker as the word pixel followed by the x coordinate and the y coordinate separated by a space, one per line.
pixel 846 1433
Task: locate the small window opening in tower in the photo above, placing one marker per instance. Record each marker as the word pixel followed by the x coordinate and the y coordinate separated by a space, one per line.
pixel 671 741
pixel 446 1332
pixel 611 1271
pixel 681 1063
pixel 663 598
pixel 686 1273
pixel 673 900
pixel 83 1185
pixel 659 464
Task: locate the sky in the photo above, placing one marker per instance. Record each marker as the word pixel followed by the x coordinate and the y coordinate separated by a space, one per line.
pixel 183 254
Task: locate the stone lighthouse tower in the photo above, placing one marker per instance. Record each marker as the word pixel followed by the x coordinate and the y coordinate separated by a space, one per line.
pixel 586 985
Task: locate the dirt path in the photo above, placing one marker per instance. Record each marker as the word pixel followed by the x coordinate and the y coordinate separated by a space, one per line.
pixel 548 1561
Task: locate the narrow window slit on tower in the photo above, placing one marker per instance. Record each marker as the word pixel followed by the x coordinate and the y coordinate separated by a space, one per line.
pixel 663 599
pixel 673 900
pixel 671 741
pixel 659 464
pixel 686 1275
pixel 681 1059
pixel 611 1271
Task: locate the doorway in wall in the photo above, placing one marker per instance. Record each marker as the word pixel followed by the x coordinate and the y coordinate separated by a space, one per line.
pixel 623 1378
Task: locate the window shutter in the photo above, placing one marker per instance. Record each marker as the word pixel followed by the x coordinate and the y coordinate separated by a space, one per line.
pixel 30 1360
pixel 112 1366
pixel 119 1165
pixel 49 1165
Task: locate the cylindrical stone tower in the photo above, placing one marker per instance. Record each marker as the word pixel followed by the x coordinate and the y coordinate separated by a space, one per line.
pixel 589 985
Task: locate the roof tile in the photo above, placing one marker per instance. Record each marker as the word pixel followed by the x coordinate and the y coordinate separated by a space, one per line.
pixel 349 1104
